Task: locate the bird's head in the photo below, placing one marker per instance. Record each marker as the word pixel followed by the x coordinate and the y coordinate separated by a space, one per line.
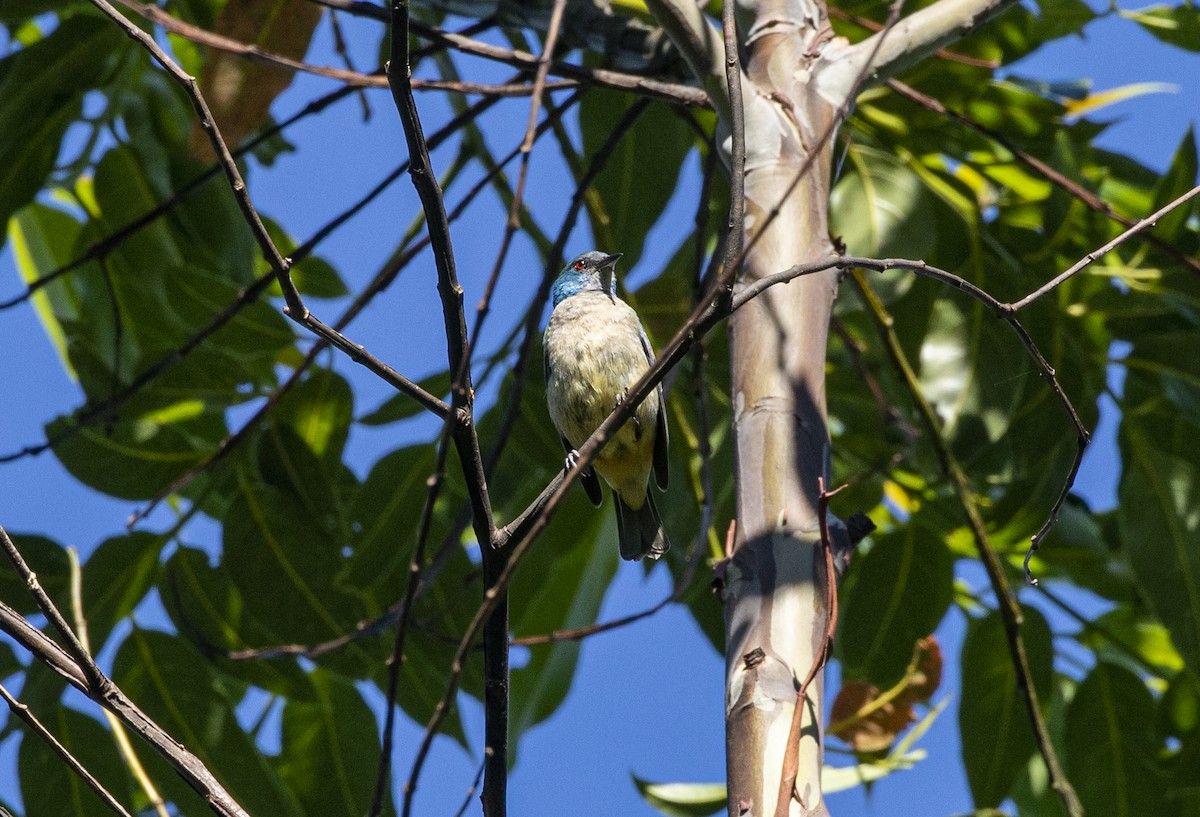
pixel 590 272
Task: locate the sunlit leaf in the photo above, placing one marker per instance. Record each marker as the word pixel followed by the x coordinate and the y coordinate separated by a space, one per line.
pixel 1176 25
pixel 1094 102
pixel 682 799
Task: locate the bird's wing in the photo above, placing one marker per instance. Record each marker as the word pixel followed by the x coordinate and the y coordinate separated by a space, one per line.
pixel 661 441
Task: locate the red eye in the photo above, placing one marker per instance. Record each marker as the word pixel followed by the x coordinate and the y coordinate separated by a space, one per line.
pixel 578 265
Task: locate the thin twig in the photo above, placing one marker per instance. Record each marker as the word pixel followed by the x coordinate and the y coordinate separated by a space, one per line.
pixel 1148 221
pixel 416 564
pixel 513 222
pixel 643 86
pixel 474 786
pixel 791 755
pixel 22 711
pixel 120 736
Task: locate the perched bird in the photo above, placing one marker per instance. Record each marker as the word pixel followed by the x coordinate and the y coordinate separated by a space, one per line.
pixel 596 350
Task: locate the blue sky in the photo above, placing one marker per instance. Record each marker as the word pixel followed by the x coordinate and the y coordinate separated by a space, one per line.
pixel 647 698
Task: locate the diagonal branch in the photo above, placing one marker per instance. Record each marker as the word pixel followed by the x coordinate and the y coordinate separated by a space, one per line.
pixel 889 52
pixel 1148 221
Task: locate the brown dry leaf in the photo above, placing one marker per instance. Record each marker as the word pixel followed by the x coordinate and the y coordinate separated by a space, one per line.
pixel 878 731
pixel 240 92
pixel 928 676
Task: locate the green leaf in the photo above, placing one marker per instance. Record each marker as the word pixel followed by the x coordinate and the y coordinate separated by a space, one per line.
pixel 639 179
pixel 178 688
pixel 16 11
pixel 135 458
pixel 893 595
pixel 208 609
pixel 1175 25
pixel 881 209
pixel 41 94
pixel 1111 745
pixel 330 748
pixel 285 566
pixel 116 578
pixel 682 799
pixel 48 560
pixel 1179 179
pixel 993 719
pixel 391 497
pixel 1062 17
pixel 286 462
pixel 1159 515
pixel 319 410
pixel 44 239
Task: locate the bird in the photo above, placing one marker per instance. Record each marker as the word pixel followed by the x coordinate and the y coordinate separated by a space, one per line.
pixel 595 351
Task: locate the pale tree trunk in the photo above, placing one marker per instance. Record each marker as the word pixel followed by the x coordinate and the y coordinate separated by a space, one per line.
pixel 798 81
pixel 775 616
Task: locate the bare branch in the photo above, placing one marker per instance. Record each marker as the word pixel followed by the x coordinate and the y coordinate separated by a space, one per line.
pixel 462 396
pixel 737 161
pixel 1148 221
pixel 889 52
pixel 643 86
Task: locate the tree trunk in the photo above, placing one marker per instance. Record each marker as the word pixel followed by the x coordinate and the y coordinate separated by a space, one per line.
pixel 775 616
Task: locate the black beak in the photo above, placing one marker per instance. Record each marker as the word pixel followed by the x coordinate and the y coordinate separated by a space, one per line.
pixel 609 261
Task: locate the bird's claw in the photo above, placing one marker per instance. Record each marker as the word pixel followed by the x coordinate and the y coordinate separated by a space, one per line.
pixel 572 459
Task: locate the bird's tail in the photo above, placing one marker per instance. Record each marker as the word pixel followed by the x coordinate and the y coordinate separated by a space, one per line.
pixel 640 531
